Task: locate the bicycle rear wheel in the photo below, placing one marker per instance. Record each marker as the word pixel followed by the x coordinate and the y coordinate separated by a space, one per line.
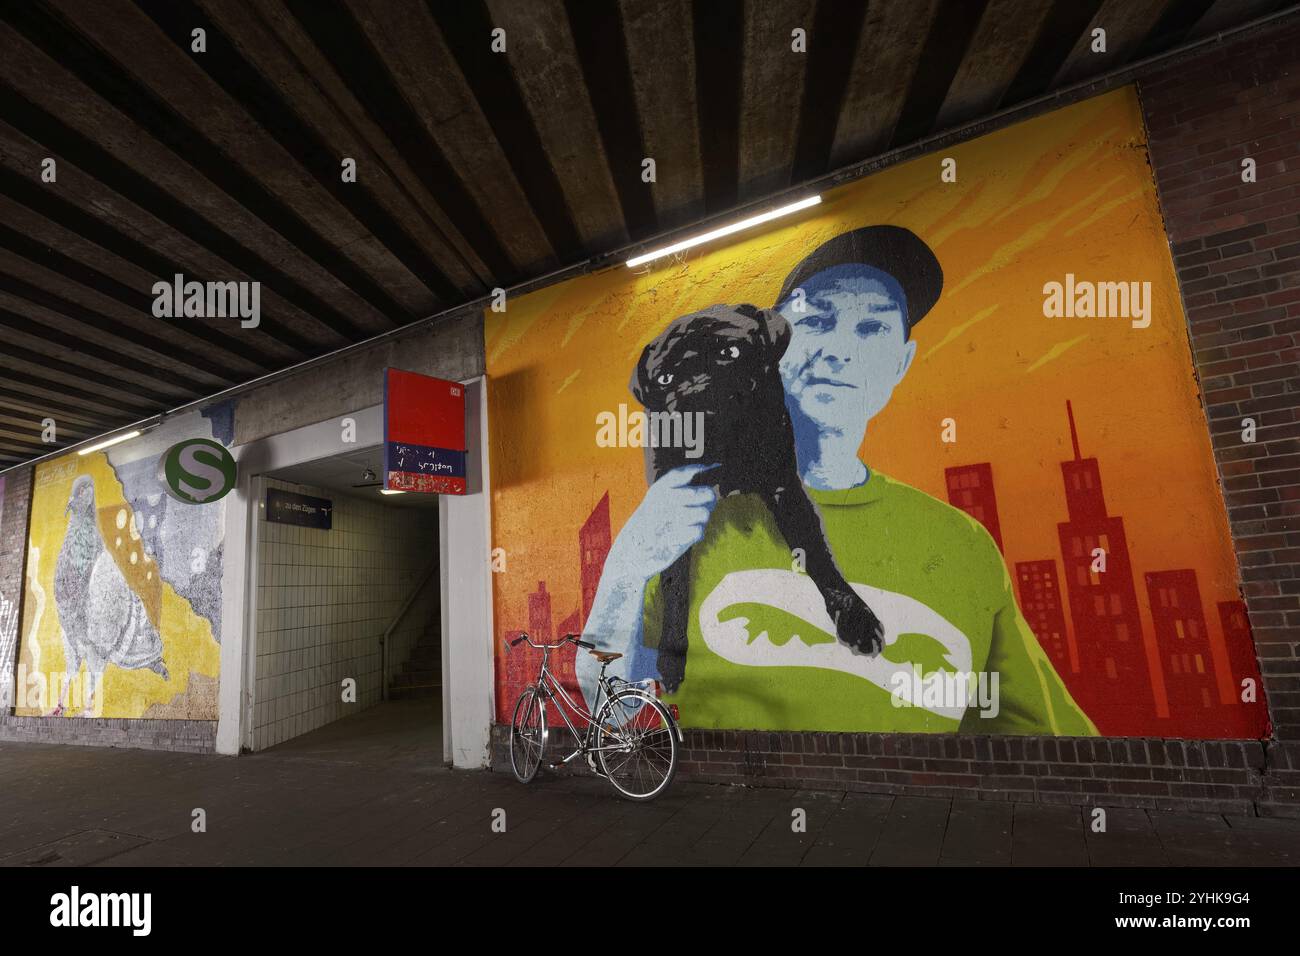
pixel 641 737
pixel 527 735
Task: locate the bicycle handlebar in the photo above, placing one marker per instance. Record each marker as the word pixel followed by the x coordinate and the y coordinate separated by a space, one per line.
pixel 562 641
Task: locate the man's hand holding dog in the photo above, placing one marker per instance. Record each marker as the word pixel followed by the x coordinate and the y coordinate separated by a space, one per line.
pixel 671 517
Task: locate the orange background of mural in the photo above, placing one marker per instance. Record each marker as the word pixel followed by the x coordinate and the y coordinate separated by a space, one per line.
pixel 1069 192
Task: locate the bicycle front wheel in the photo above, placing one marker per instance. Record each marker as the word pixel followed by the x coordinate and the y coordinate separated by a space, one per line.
pixel 637 744
pixel 527 735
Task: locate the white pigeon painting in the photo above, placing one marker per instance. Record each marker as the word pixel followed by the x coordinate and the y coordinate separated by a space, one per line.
pixel 103 621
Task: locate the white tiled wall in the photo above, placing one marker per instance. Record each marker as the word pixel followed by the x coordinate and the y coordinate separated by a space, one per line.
pixel 324 598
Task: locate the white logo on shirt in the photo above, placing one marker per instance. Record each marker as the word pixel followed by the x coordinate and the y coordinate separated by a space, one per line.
pixel 797 595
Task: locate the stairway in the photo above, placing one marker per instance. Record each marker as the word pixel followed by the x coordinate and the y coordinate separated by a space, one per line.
pixel 421 675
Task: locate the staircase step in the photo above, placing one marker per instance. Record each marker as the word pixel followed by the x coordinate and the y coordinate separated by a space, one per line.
pixel 407 678
pixel 417 692
pixel 415 667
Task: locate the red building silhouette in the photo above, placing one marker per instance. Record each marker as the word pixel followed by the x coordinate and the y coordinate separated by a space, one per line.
pixel 539 615
pixel 593 547
pixel 522 662
pixel 564 659
pixel 1184 643
pixel 521 666
pixel 970 488
pixel 1120 687
pixel 1040 602
pixel 1239 644
pixel 540 629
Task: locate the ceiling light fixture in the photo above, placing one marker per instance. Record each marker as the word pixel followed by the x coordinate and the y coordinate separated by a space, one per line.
pixel 724 231
pixel 115 440
pixel 391 491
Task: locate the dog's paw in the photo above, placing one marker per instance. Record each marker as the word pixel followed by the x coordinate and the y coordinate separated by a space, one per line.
pixel 855 624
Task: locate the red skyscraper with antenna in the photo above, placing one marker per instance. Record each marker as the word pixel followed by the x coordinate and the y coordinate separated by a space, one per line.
pixel 1120 687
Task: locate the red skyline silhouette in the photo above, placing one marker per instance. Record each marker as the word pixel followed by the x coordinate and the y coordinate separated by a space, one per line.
pixel 523 662
pixel 1122 673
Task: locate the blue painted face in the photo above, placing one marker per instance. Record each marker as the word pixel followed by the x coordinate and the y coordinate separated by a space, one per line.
pixel 848 350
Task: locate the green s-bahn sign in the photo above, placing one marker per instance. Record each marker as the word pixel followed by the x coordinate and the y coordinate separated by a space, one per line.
pixel 198 471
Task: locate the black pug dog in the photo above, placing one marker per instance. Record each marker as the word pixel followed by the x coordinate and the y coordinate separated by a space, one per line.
pixel 723 361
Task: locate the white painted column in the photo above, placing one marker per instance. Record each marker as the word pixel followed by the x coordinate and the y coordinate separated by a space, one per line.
pixel 236 616
pixel 466 570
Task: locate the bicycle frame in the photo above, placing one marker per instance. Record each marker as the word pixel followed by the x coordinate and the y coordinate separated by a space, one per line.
pixel 549 688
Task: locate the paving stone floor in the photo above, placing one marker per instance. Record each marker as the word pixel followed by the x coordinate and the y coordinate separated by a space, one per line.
pixel 371 790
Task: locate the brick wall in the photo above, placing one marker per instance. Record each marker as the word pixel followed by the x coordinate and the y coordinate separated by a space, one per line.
pixel 1236 248
pixel 189 736
pixel 1216 776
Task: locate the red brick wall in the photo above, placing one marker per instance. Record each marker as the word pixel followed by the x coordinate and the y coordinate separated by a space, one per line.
pixel 1211 776
pixel 1236 248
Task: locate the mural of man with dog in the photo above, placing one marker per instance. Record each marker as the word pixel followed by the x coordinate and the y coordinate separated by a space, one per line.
pixel 735 599
pixel 824 559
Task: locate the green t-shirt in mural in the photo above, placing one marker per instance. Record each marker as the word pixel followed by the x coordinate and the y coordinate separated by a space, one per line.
pixel 762 651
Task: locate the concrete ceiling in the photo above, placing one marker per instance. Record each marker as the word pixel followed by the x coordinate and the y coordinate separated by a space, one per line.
pixel 476 169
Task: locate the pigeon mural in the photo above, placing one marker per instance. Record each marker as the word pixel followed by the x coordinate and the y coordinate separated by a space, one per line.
pixel 122 613
pixel 103 621
pixel 8 628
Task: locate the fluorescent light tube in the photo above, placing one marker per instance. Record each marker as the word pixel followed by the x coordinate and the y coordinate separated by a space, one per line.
pixel 724 231
pixel 115 440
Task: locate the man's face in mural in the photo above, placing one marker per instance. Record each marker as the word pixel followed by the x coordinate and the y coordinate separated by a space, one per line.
pixel 848 348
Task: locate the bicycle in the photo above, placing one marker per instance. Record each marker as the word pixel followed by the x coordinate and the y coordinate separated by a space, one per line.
pixel 632 741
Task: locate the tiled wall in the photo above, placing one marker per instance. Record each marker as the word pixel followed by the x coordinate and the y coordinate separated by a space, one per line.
pixel 324 599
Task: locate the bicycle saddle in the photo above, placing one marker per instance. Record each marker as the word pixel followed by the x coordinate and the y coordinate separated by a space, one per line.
pixel 605 656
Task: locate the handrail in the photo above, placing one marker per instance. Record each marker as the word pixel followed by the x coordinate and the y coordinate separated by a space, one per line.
pixel 410 600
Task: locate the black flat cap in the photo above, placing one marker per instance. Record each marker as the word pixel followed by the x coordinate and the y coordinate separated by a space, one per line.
pixel 892 249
